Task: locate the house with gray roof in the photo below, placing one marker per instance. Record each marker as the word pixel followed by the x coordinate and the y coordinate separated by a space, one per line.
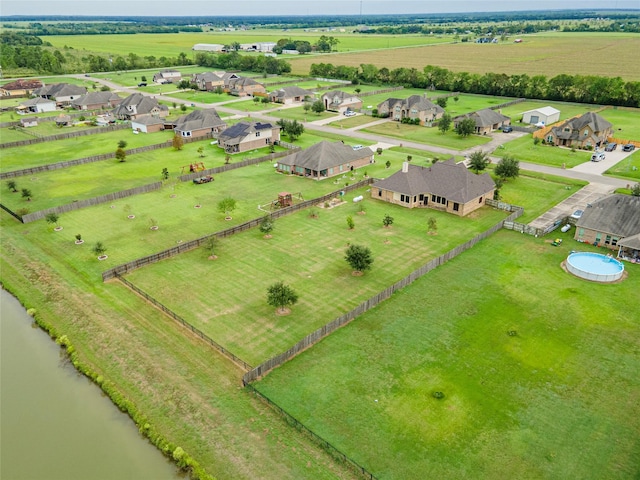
pixel 587 130
pixel 62 93
pixel 612 222
pixel 137 105
pixel 199 123
pixel 147 124
pixel 325 159
pixel 487 120
pixel 208 81
pixel 339 101
pixel 290 95
pixel 167 76
pixel 447 186
pixel 96 101
pixel 36 105
pixel 414 107
pixel 245 136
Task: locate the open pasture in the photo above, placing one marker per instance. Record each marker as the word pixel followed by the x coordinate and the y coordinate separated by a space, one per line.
pixel 538 402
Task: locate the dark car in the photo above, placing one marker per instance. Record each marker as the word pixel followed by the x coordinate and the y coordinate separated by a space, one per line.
pixel 610 147
pixel 629 147
pixel 142 84
pixel 507 129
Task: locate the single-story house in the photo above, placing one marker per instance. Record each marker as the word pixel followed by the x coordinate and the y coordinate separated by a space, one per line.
pixel 290 95
pixel 147 124
pixel 96 101
pixel 414 107
pixel 20 88
pixel 446 186
pixel 339 101
pixel 612 222
pixel 325 159
pixel 245 86
pixel 63 120
pixel 245 136
pixel 37 105
pixel 199 123
pixel 138 105
pixel 541 116
pixel 487 120
pixel 208 81
pixel 167 76
pixel 587 130
pixel 29 122
pixel 62 93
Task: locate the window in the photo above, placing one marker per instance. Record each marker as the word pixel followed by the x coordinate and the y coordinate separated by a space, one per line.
pixel 580 233
pixel 614 241
pixel 257 134
pixel 379 193
pixel 607 240
pixel 456 207
pixel 480 201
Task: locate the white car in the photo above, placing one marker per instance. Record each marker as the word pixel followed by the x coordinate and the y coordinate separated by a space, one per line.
pixel 349 113
pixel 597 157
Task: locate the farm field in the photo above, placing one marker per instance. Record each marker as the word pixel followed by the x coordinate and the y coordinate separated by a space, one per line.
pixel 510 402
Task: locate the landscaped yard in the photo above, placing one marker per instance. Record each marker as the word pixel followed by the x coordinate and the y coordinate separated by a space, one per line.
pixel 525 150
pixel 627 168
pixel 537 370
pixel 298 113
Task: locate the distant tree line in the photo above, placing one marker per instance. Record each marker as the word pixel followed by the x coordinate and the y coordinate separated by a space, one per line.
pixel 563 87
pixel 104 28
pixel 235 61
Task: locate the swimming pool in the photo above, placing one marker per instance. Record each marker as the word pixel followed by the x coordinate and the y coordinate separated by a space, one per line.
pixel 594 266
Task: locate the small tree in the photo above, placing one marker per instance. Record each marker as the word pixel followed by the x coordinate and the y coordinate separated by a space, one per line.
pixel 26 193
pixel 266 225
pixel 359 258
pixel 432 226
pixel 12 185
pixel 121 154
pixel 183 108
pixel 635 190
pixel 227 159
pixel 478 161
pixel 122 144
pixel 281 296
pixel 211 247
pixel 379 150
pixel 52 218
pixel 442 102
pixel 466 127
pixel 165 174
pixel 143 78
pixel 508 167
pixel 350 223
pixel 357 90
pixel 499 184
pixel 201 151
pixel 387 221
pixel 388 164
pixel 78 238
pixel 444 124
pixel 306 107
pixel 318 106
pixel 177 142
pixel 227 206
pixel 99 249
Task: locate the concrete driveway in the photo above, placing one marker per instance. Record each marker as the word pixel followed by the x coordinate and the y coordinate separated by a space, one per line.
pixel 598 168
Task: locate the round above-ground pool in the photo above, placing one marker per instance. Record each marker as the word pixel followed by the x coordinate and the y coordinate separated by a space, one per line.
pixel 594 266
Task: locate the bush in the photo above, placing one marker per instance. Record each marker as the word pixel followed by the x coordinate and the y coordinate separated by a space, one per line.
pixel 438 395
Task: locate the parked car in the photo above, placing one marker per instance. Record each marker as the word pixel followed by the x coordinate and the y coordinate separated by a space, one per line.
pixel 349 113
pixel 507 129
pixel 629 147
pixel 597 157
pixel 142 84
pixel 577 214
pixel 566 228
pixel 610 147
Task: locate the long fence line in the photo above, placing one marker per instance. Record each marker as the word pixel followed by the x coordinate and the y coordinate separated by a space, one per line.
pixel 333 451
pixel 382 90
pixel 48 118
pixel 125 268
pixel 184 323
pixel 63 136
pixel 325 330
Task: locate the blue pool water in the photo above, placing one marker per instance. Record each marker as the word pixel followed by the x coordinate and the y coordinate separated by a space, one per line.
pixel 594 266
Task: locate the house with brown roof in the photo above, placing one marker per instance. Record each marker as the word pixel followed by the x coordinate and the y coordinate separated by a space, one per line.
pixel 208 81
pixel 245 136
pixel 612 222
pixel 20 88
pixel 245 86
pixel 487 120
pixel 62 93
pixel 199 123
pixel 138 105
pixel 414 107
pixel 36 105
pixel 588 130
pixel 96 101
pixel 290 95
pixel 339 101
pixel 447 186
pixel 325 159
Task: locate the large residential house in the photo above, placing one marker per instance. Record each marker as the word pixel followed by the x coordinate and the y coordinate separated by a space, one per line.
pixel 588 130
pixel 325 159
pixel 96 101
pixel 138 105
pixel 36 105
pixel 245 86
pixel 20 88
pixel 167 76
pixel 208 81
pixel 612 222
pixel 446 186
pixel 199 123
pixel 62 93
pixel 245 136
pixel 339 101
pixel 487 120
pixel 414 107
pixel 290 95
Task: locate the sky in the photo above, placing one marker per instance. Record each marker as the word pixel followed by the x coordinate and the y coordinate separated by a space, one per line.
pixel 285 7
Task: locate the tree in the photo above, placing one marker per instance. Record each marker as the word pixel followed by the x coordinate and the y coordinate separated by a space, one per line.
pixel 201 151
pixel 635 190
pixel 359 257
pixel 122 144
pixel 266 225
pixel 143 78
pixel 432 226
pixel 350 223
pixel 183 108
pixel 508 167
pixel 478 161
pixel 227 206
pixel 121 154
pixel 318 106
pixel 26 193
pixel 211 246
pixel 466 127
pixel 99 248
pixel 444 124
pixel 387 221
pixel 306 107
pixel 12 185
pixel 281 296
pixel 165 174
pixel 178 143
pixel 52 218
pixel 442 102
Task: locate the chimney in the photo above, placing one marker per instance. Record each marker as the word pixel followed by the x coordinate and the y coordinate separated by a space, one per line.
pixel 405 167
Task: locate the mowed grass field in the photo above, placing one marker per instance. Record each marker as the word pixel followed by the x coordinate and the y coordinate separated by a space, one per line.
pixel 556 399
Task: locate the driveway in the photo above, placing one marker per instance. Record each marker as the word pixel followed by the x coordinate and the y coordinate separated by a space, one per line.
pixel 598 168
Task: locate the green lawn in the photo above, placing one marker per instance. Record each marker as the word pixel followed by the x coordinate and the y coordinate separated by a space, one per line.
pixel 298 113
pixel 350 122
pixel 626 122
pixel 627 168
pixel 542 403
pixel 567 110
pixel 524 150
pixel 45 129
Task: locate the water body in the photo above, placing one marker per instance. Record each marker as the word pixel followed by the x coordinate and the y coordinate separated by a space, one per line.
pixel 54 423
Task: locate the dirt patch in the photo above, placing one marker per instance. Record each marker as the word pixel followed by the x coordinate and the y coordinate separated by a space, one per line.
pixel 283 312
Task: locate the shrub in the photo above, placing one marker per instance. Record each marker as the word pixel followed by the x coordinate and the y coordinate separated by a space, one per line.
pixel 350 223
pixel 437 395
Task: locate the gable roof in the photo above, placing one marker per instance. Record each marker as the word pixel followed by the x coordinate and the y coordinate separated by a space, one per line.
pixel 446 179
pixel 235 133
pixel 289 92
pixel 417 102
pixel 632 242
pixel 96 98
pixel 148 121
pixel 546 111
pixel 199 119
pixel 616 214
pixel 60 90
pixel 485 117
pixel 36 101
pixel 143 103
pixel 590 119
pixel 325 155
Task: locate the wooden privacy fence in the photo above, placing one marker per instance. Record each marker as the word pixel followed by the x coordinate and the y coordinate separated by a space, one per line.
pixel 325 330
pixel 190 245
pixel 69 207
pixel 62 136
pixel 333 451
pixel 186 324
pixel 382 90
